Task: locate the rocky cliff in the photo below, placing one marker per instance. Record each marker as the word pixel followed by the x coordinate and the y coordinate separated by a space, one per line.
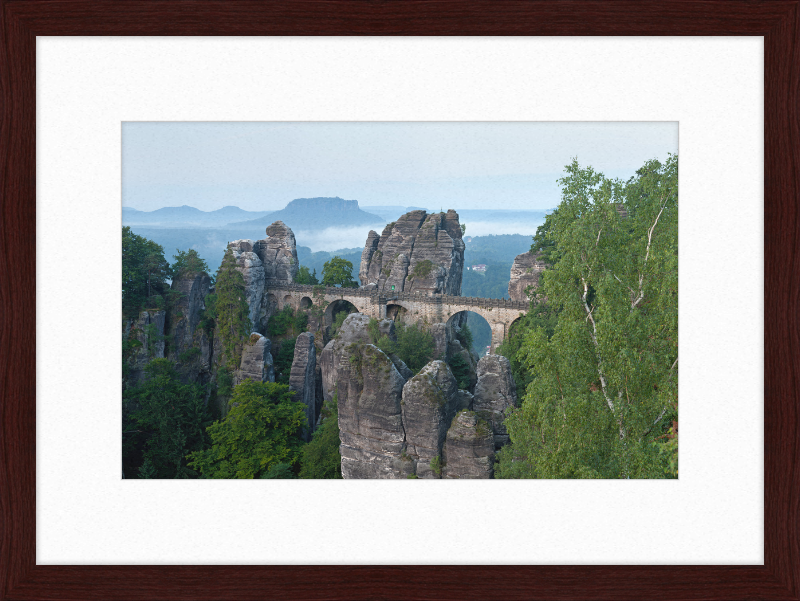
pixel 256 363
pixel 420 252
pixel 271 262
pixel 525 272
pixel 394 424
pixel 495 394
pixel 302 379
pixel 189 345
pixel 468 452
pixel 145 337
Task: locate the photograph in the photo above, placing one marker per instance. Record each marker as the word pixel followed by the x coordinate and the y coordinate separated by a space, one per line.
pixel 400 300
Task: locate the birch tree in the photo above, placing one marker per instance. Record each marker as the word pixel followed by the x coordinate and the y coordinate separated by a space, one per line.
pixel 602 391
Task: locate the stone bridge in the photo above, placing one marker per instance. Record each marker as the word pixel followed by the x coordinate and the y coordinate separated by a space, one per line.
pixel 410 307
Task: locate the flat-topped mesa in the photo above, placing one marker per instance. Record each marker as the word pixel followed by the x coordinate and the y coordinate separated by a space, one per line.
pixel 420 252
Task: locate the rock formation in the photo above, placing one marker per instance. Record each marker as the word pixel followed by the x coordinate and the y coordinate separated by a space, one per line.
pixel 429 403
pixel 146 336
pixel 417 253
pixel 495 393
pixel 302 378
pixel 184 334
pixel 253 272
pixel 256 363
pixel 468 452
pixel 278 253
pixel 369 391
pixel 525 272
pixel 265 263
pixel 395 426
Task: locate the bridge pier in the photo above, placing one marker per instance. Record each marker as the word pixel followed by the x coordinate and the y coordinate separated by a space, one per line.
pixel 498 335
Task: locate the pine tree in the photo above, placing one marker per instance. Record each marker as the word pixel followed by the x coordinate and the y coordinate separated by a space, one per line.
pixel 231 309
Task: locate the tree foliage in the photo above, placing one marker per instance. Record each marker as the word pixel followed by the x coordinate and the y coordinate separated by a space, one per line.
pixel 601 383
pixel 188 261
pixel 144 271
pixel 414 345
pixel 320 458
pixel 163 420
pixel 304 277
pixel 262 429
pixel 231 312
pixel 287 320
pixel 338 272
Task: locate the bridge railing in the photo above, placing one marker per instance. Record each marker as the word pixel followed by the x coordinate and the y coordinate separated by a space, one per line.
pixel 388 297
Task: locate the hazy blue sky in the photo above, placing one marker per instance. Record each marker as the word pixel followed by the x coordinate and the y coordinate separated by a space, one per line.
pixel 460 165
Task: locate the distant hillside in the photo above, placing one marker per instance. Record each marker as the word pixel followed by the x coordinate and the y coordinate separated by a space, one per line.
pixel 318 213
pixel 494 249
pixel 186 216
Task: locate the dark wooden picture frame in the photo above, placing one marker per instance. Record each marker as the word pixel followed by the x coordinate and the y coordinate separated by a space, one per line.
pixel 778 21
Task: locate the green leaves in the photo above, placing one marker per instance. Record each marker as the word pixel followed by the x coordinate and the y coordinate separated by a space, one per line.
pixel 304 277
pixel 601 380
pixel 262 429
pixel 230 309
pixel 188 262
pixel 144 271
pixel 338 272
pixel 163 420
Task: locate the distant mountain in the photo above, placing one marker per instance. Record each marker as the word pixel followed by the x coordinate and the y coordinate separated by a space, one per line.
pixel 317 213
pixel 186 216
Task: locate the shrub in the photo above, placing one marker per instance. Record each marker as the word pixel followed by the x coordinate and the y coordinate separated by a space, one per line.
pixel 320 458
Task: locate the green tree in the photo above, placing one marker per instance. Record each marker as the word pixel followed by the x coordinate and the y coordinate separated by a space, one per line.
pixel 602 385
pixel 188 262
pixel 287 320
pixel 338 272
pixel 262 429
pixel 321 458
pixel 163 420
pixel 414 346
pixel 230 309
pixel 144 270
pixel 304 277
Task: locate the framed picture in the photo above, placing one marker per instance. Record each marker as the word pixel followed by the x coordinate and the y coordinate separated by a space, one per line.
pixel 22 144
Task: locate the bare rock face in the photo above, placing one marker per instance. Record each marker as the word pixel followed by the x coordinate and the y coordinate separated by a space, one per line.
pixel 146 334
pixel 265 263
pixel 525 272
pixel 369 390
pixel 253 272
pixel 354 329
pixel 417 253
pixel 278 253
pixel 468 451
pixel 184 334
pixel 366 256
pixel 495 394
pixel 256 363
pixel 302 378
pixel 429 402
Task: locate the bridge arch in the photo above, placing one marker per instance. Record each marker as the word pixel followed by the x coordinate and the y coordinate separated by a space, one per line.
pixel 306 302
pixel 480 329
pixel 337 306
pixel 396 312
